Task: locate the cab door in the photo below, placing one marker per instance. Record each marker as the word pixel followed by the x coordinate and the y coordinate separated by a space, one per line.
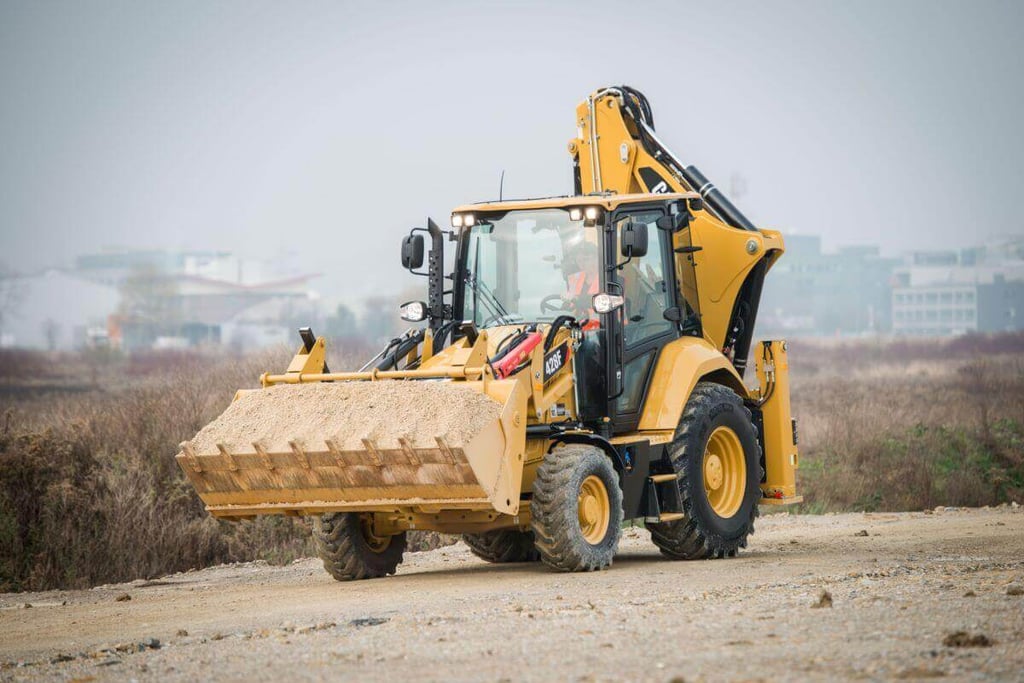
pixel 647 284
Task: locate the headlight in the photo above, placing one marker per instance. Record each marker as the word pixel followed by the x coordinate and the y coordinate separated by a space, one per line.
pixel 591 213
pixel 575 214
pixel 414 311
pixel 456 220
pixel 468 220
pixel 606 303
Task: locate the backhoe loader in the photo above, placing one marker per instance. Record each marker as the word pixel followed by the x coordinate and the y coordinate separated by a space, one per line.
pixel 581 364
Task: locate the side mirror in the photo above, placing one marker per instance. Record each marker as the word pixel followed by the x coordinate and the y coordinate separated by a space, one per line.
pixel 673 314
pixel 633 239
pixel 412 252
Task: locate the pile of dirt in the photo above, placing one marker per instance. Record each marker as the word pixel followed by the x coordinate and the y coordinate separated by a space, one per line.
pixel 349 412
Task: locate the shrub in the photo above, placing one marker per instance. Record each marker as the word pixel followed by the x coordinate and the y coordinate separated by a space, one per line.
pixel 90 492
pixel 52 518
pixel 913 435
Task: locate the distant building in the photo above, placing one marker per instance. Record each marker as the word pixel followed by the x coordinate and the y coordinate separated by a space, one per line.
pixel 157 299
pixel 208 311
pixel 950 292
pixel 813 293
pixel 57 310
pixel 205 299
pixel 112 267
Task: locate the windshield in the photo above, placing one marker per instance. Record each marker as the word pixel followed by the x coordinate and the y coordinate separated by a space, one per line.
pixel 530 266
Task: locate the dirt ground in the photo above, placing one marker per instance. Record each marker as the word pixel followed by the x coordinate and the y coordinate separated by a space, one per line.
pixel 901 587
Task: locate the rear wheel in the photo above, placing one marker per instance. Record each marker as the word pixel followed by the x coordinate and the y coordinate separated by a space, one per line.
pixel 576 509
pixel 351 551
pixel 717 461
pixel 504 545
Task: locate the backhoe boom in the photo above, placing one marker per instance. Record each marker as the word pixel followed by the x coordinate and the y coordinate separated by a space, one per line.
pixel 617 151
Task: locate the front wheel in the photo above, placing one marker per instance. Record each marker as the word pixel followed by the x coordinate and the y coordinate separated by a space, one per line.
pixel 717 461
pixel 576 509
pixel 504 545
pixel 351 551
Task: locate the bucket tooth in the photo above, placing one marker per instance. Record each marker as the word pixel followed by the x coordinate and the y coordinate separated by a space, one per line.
pixel 230 459
pixel 371 448
pixel 190 456
pixel 300 454
pixel 446 450
pixel 264 456
pixel 410 452
pixel 335 451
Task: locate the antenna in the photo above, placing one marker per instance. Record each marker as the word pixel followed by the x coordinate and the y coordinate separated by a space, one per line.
pixel 501 185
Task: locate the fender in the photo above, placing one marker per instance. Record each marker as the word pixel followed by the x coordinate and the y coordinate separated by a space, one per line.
pixel 681 364
pixel 591 440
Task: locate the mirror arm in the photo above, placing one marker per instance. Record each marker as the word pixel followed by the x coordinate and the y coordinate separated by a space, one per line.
pixel 620 266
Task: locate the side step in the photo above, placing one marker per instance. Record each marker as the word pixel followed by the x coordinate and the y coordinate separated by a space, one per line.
pixel 670 516
pixel 662 490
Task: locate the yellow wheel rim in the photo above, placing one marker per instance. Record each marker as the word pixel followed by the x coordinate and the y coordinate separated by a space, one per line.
pixel 725 472
pixel 593 509
pixel 377 544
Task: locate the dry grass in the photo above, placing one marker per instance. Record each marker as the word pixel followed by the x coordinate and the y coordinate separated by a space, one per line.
pixel 909 426
pixel 90 492
pixel 89 489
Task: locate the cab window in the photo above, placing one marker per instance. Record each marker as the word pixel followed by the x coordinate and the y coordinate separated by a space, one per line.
pixel 644 284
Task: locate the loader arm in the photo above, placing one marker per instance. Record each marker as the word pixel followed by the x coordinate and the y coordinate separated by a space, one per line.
pixel 618 151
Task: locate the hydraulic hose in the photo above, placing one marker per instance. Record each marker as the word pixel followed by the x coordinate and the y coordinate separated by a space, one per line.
pixel 637 106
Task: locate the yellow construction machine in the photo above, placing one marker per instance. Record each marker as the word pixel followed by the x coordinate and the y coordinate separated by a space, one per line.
pixel 582 363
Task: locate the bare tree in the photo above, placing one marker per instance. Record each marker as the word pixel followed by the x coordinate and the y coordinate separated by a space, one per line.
pixel 150 297
pixel 12 295
pixel 51 330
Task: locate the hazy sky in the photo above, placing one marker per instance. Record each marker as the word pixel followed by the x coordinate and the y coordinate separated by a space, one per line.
pixel 325 130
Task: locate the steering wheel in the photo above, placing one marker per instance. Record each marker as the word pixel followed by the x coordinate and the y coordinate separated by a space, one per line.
pixel 547 304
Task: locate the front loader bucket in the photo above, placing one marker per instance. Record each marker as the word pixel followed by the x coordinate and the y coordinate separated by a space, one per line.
pixel 383 445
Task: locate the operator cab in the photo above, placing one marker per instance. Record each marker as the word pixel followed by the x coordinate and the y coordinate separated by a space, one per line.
pixel 617 268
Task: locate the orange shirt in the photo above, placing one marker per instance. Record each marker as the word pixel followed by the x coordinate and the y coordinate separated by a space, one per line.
pixel 579 285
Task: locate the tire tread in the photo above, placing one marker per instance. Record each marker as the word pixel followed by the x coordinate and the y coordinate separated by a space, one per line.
pixel 690 538
pixel 340 545
pixel 556 532
pixel 503 545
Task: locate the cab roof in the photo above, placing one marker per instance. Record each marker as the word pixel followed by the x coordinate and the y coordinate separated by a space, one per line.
pixel 608 201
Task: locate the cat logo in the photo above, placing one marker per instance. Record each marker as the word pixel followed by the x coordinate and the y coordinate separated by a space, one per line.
pixel 654 182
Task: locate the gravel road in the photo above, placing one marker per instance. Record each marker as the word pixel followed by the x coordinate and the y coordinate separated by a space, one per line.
pixel 901 587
